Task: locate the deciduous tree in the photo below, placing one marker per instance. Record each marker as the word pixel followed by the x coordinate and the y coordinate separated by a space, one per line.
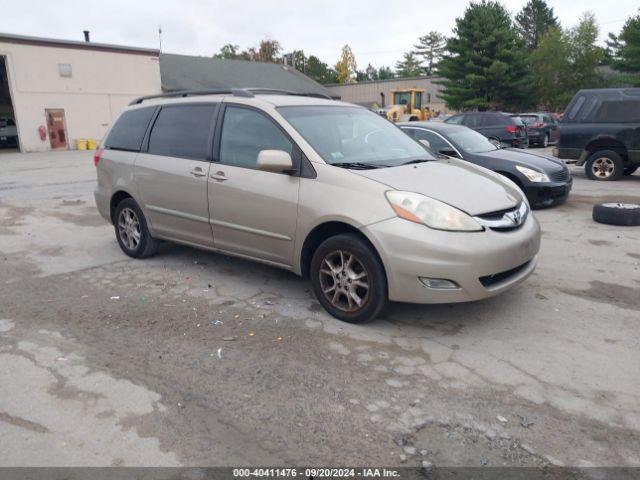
pixel 319 71
pixel 346 66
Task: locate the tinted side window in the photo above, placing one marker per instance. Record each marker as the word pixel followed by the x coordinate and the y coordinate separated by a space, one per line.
pixel 128 131
pixel 576 107
pixel 245 133
pixel 455 120
pixel 619 112
pixel 182 131
pixel 473 120
pixel 436 142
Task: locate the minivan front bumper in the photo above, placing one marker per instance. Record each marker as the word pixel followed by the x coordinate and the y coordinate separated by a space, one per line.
pixel 482 264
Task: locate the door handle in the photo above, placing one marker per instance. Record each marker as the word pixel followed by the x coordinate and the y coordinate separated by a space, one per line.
pixel 197 172
pixel 220 176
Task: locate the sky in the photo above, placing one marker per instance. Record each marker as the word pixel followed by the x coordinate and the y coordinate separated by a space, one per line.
pixel 377 31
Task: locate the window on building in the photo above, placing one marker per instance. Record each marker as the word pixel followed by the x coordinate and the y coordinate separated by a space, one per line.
pixel 245 133
pixel 128 131
pixel 64 69
pixel 183 131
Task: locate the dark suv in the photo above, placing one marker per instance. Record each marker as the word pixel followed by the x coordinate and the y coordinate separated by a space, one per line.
pixel 496 126
pixel 601 130
pixel 542 129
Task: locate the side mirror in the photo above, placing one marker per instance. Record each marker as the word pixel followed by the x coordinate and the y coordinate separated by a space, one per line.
pixel 277 161
pixel 449 153
pixel 425 143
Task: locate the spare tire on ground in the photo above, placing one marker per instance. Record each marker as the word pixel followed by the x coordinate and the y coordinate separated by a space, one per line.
pixel 625 214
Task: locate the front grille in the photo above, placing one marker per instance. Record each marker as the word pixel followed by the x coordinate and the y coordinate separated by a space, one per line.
pixel 491 280
pixel 560 176
pixel 504 220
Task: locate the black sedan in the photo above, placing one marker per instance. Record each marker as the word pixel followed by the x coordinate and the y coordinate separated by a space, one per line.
pixel 545 180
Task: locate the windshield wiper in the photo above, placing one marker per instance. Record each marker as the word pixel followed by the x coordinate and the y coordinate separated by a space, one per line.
pixel 420 160
pixel 358 165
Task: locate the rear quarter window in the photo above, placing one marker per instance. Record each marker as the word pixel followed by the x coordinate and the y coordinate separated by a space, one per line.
pixel 128 131
pixel 627 111
pixel 183 131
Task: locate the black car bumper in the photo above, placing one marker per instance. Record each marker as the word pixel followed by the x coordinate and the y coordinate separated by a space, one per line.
pixel 8 141
pixel 541 195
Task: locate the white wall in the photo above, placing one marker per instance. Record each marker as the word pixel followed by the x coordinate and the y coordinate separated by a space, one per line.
pixel 101 85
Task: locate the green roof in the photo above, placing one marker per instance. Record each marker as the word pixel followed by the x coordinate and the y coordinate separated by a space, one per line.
pixel 184 72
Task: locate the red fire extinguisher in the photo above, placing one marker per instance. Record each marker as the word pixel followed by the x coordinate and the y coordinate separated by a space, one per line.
pixel 42 132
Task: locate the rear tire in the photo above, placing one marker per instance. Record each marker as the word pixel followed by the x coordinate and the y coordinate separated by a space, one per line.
pixel 604 165
pixel 132 232
pixel 348 278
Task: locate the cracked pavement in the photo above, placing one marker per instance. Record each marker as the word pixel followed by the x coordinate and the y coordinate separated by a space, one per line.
pixel 199 359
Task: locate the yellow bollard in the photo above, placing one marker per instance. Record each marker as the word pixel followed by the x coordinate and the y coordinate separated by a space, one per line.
pixel 81 144
pixel 92 144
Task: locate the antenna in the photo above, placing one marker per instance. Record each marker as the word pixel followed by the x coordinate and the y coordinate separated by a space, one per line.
pixel 160 36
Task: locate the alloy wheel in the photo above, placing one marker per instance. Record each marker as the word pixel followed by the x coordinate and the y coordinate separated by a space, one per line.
pixel 129 228
pixel 603 167
pixel 344 280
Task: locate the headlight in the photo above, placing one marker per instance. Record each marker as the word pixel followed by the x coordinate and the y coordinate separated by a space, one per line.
pixel 533 175
pixel 430 212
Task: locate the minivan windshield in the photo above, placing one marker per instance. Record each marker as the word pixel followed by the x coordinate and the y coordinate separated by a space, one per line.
pixel 471 141
pixel 352 136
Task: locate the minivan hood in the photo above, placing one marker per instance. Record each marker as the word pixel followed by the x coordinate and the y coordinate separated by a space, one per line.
pixel 472 189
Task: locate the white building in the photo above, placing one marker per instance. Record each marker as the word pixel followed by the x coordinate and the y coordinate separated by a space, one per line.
pixel 58 91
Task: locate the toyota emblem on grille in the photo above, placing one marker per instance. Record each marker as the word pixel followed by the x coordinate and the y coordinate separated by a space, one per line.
pixel 515 217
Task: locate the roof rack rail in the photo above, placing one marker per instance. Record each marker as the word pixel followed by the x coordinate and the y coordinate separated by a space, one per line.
pixel 236 92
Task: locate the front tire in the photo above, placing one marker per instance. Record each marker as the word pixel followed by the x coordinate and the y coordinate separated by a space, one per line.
pixel 132 232
pixel 348 278
pixel 604 165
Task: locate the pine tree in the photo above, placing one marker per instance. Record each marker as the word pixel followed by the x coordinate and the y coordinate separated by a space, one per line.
pixel 385 73
pixel 486 65
pixel 409 66
pixel 431 47
pixel 533 21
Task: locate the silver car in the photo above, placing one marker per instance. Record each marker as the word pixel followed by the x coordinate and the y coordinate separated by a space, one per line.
pixel 328 190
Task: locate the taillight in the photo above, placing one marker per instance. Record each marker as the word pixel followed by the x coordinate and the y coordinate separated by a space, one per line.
pixel 96 156
pixel 512 128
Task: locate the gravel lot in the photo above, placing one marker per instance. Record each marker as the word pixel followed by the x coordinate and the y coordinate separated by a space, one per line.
pixel 193 358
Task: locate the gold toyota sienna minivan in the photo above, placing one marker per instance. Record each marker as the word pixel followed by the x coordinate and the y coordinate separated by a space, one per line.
pixel 328 190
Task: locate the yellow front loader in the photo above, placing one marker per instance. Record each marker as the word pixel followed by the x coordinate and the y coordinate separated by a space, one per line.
pixel 406 106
